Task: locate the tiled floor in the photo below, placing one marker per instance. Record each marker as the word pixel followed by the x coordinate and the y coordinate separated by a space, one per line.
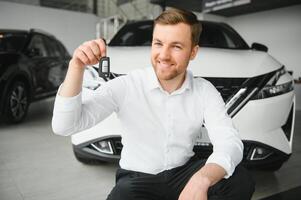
pixel 37 165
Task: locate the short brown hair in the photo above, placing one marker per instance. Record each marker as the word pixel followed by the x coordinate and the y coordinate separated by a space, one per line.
pixel 175 16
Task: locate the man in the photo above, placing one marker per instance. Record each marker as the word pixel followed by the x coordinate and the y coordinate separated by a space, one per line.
pixel 161 110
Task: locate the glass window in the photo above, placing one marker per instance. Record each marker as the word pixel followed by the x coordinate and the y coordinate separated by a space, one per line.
pixel 233 38
pixel 127 38
pixel 12 42
pixel 229 41
pixel 134 35
pixel 63 50
pixel 52 47
pixel 221 36
pixel 217 35
pixel 37 45
pixel 212 37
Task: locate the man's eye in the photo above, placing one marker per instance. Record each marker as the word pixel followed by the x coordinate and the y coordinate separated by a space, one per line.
pixel 177 47
pixel 157 44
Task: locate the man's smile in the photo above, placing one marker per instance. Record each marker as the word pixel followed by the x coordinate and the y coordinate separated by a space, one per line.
pixel 164 65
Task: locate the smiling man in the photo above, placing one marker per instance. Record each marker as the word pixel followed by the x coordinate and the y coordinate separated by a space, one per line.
pixel 171 52
pixel 162 110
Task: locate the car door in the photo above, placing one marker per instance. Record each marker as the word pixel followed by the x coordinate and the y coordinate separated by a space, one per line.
pixel 58 62
pixel 40 63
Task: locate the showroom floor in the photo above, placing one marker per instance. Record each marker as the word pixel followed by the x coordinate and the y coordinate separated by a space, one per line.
pixel 37 165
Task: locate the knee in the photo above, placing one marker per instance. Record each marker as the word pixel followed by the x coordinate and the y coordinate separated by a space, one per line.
pixel 240 186
pixel 244 182
pixel 121 191
pixel 124 189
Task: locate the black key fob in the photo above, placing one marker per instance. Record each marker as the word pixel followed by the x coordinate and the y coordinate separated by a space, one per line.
pixel 104 67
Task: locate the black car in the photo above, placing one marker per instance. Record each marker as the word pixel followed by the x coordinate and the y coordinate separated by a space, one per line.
pixel 32 66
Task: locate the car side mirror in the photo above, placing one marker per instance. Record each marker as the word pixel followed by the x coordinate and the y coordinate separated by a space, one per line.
pixel 259 47
pixel 33 52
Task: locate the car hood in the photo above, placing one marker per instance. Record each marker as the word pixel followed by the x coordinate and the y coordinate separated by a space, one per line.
pixel 210 62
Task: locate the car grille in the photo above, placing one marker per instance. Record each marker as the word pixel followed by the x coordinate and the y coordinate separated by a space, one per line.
pixel 227 86
pixel 203 152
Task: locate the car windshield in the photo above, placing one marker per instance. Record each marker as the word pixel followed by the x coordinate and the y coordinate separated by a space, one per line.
pixel 216 35
pixel 11 42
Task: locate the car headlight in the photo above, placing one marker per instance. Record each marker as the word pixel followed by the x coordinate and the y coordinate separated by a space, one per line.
pixel 272 89
pixel 267 85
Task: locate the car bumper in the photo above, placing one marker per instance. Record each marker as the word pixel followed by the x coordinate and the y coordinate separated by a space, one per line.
pixel 268 121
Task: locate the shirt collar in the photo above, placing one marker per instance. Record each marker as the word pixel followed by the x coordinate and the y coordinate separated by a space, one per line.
pixel 153 82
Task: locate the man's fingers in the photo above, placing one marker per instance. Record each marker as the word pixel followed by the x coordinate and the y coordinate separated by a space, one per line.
pixel 82 57
pixel 90 52
pixel 102 46
pixel 86 49
pixel 96 50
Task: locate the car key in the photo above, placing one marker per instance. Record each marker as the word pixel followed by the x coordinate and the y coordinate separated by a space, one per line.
pixel 104 67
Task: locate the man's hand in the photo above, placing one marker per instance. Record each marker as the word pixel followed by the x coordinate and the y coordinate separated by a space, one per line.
pixel 196 188
pixel 198 185
pixel 88 53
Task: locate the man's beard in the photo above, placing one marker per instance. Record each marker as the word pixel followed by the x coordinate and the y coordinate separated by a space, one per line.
pixel 165 74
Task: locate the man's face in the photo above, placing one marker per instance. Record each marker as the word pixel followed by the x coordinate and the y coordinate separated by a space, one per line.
pixel 171 50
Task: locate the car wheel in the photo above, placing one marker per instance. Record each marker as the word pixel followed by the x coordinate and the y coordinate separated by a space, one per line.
pixel 16 103
pixel 85 160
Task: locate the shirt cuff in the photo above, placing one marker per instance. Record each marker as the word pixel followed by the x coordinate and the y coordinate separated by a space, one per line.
pixel 224 161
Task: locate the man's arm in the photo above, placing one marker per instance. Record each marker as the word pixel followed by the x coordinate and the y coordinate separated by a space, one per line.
pixel 227 147
pixel 88 53
pixel 70 115
pixel 198 185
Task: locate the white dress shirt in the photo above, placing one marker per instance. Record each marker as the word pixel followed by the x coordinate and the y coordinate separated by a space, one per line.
pixel 159 129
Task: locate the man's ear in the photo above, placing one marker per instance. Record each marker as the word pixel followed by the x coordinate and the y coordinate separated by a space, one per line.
pixel 194 51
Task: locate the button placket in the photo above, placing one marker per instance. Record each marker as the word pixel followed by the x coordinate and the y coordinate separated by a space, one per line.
pixel 168 129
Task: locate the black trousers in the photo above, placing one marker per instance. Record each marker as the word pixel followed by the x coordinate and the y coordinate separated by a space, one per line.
pixel 168 185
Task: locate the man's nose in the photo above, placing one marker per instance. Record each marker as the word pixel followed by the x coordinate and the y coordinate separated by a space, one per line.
pixel 164 53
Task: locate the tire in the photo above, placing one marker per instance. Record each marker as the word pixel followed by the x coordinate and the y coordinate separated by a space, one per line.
pixel 16 103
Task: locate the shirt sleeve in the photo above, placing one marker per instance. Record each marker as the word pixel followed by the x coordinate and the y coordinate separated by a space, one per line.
pixel 227 145
pixel 74 114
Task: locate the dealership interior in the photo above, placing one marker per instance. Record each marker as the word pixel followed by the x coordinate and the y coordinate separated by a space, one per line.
pixel 36 164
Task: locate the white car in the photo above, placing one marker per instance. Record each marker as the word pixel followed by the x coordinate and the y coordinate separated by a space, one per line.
pixel 257 89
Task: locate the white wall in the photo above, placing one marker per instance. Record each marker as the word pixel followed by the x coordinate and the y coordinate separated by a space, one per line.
pixel 72 28
pixel 279 29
